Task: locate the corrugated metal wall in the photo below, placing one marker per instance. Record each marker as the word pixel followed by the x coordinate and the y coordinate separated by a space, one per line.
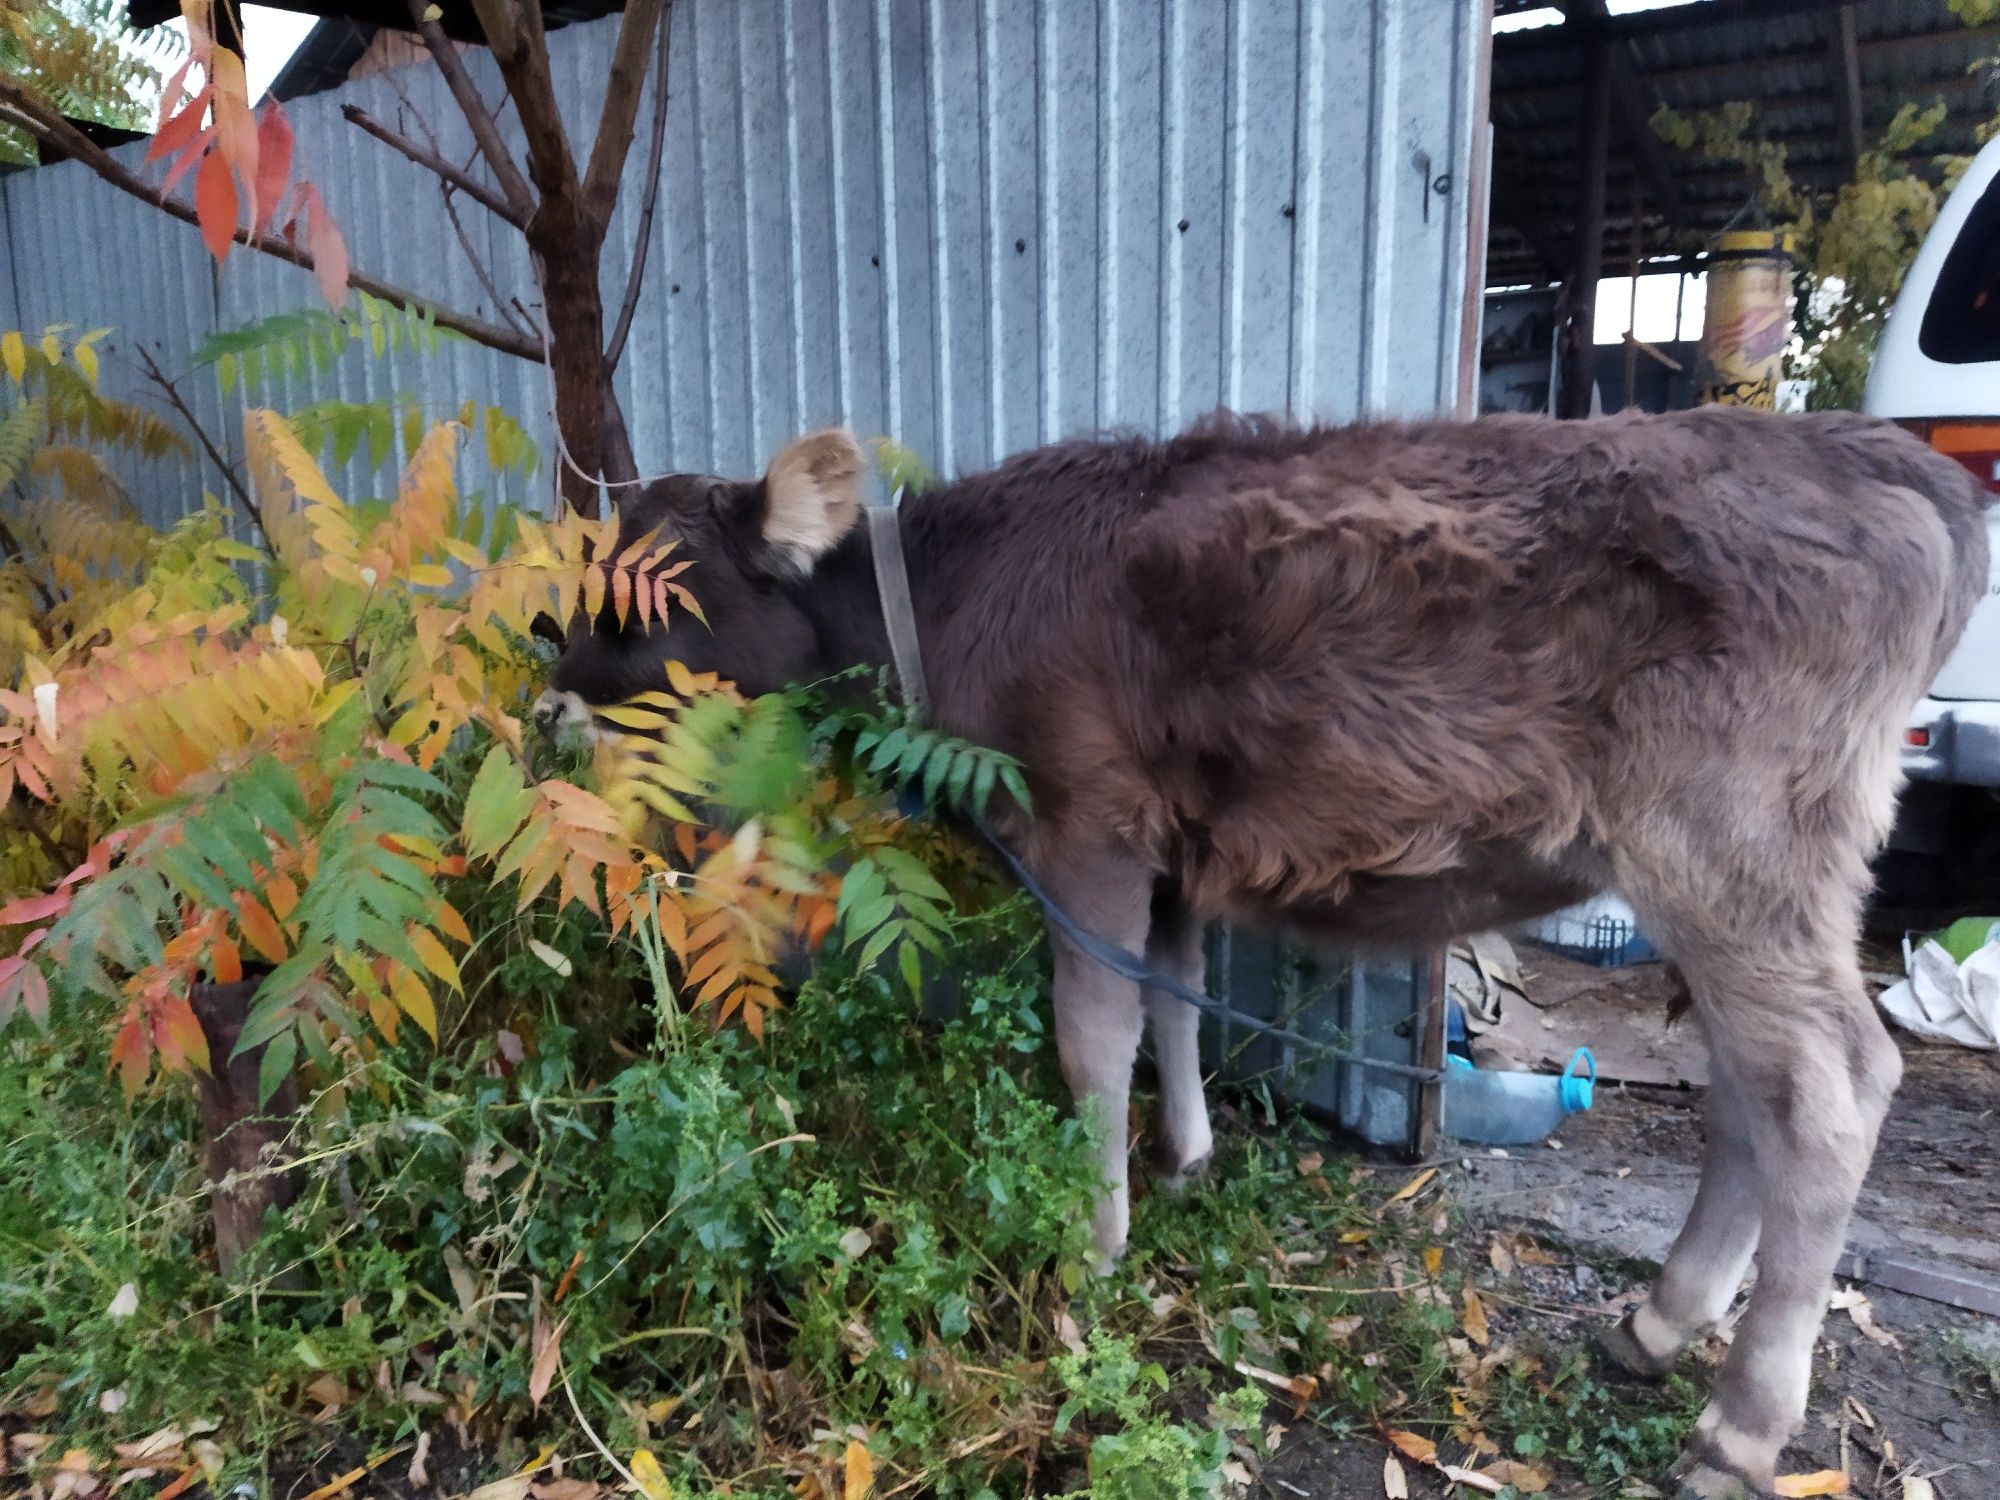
pixel 973 224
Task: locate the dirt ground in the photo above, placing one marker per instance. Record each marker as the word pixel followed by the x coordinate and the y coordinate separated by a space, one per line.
pixel 1611 1190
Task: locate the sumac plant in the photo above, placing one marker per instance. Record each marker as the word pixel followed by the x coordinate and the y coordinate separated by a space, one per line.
pixel 283 786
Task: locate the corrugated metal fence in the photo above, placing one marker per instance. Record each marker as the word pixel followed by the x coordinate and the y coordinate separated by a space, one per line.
pixel 973 224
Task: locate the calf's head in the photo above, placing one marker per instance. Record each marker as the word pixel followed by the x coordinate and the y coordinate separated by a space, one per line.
pixel 754 545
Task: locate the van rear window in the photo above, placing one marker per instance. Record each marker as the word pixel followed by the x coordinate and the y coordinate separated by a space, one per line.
pixel 1961 325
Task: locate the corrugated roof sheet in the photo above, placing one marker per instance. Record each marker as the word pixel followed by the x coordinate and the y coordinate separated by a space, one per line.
pixel 1783 56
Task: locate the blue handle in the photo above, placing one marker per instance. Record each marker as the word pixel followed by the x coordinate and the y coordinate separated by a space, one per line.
pixel 1577 1089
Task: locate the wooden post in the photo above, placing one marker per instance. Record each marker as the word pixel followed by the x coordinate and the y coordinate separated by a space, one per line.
pixel 1427 1132
pixel 243 1142
pixel 1587 254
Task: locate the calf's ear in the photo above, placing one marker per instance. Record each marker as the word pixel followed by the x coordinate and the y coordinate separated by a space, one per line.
pixel 812 496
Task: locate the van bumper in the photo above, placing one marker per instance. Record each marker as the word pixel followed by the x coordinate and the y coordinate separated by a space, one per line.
pixel 1961 743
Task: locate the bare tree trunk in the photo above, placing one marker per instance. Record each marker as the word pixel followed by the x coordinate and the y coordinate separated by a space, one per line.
pixel 243 1141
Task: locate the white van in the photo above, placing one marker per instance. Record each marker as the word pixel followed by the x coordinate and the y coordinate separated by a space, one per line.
pixel 1938 373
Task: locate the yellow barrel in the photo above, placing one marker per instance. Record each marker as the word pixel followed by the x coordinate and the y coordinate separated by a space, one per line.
pixel 1749 319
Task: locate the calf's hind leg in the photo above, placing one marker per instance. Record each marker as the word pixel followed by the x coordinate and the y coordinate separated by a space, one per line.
pixel 1182 1137
pixel 1811 1068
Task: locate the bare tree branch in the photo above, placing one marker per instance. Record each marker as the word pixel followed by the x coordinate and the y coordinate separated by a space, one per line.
pixel 17 107
pixel 474 189
pixel 622 92
pixel 514 31
pixel 635 277
pixel 215 455
pixel 484 128
pixel 450 201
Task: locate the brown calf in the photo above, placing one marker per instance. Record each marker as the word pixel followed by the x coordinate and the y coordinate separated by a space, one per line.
pixel 1394 684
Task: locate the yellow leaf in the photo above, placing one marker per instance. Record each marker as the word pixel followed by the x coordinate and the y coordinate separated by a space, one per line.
pixel 434 956
pixel 652 1479
pixel 1475 1318
pixel 1433 1259
pixel 337 1486
pixel 14 354
pixel 415 1000
pixel 1413 1187
pixel 1801 1486
pixel 51 346
pixel 860 1476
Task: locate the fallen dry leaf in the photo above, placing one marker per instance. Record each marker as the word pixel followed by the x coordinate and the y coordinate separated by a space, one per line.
pixel 1340 1330
pixel 652 1480
pixel 1529 1479
pixel 1472 1479
pixel 856 1243
pixel 1915 1488
pixel 1310 1163
pixel 1413 1187
pixel 1852 1301
pixel 183 1482
pixel 1500 1257
pixel 336 1486
pixel 1475 1319
pixel 548 1358
pixel 566 1489
pixel 330 1392
pixel 1395 1484
pixel 1433 1259
pixel 1801 1486
pixel 156 1447
pixel 1066 1330
pixel 513 1487
pixel 1411 1445
pixel 420 1463
pixel 125 1303
pixel 858 1472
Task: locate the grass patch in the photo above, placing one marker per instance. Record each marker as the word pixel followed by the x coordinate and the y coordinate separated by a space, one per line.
pixel 575 1239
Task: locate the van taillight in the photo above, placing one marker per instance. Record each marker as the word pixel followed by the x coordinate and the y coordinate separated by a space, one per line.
pixel 1976 445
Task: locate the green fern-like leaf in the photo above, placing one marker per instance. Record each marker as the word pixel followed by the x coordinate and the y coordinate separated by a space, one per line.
pixel 20 432
pixel 297 343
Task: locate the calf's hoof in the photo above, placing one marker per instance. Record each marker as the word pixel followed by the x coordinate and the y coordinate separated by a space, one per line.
pixel 1701 1482
pixel 1617 1344
pixel 1173 1170
pixel 1702 1473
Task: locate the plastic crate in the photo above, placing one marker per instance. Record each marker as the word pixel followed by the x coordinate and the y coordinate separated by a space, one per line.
pixel 1604 931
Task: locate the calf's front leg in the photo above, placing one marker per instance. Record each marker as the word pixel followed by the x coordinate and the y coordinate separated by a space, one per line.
pixel 1099 1019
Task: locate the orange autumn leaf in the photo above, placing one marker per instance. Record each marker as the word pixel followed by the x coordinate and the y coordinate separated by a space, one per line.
pixel 859 1477
pixel 1804 1486
pixel 215 205
pixel 1411 1445
pixel 261 929
pixel 1475 1319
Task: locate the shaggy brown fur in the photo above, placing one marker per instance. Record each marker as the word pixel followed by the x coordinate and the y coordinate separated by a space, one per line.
pixel 1398 683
